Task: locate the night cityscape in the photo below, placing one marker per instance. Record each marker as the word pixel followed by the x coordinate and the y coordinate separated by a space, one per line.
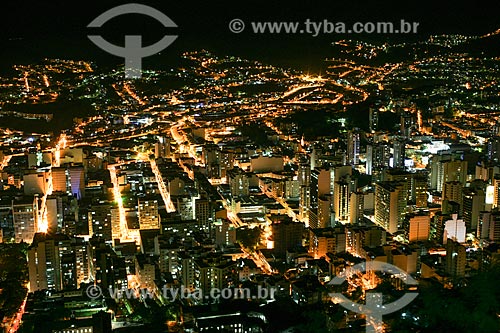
pixel 274 167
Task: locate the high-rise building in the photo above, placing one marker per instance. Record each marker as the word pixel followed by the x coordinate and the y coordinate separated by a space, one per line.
pixel 390 205
pixel 341 197
pixel 225 233
pixel 420 189
pixel 415 185
pixel 304 179
pixel 325 211
pixel 81 252
pixel 482 172
pixel 357 207
pixel 406 123
pixel 494 149
pixel 417 226
pixel 145 271
pixel 494 232
pixel 36 182
pixel 162 147
pixel 437 226
pixel 286 235
pixel 291 188
pixel 455 171
pixel 101 322
pixel 148 213
pixel 25 219
pixel 320 180
pixel 59 179
pixel 185 205
pixel 168 260
pixel 353 144
pixel 381 155
pixel 486 171
pixel 403 177
pixel 55 213
pixel 399 154
pixel 483 226
pixel 437 171
pixel 304 174
pixel 369 159
pixel 226 162
pixel 39 158
pixel 76 179
pixel 361 237
pixel 100 221
pixel 176 185
pixel 204 213
pixel 373 119
pixel 326 240
pixel 72 156
pixel 261 164
pixel 107 268
pixel 52 263
pixel 452 192
pixel 339 172
pixel 315 157
pixel 212 158
pixel 238 181
pixel 404 258
pixel 496 190
pixel 444 169
pixel 116 231
pixel 319 186
pixel 304 203
pixel 187 271
pixel 455 260
pixel 473 203
pixel 454 229
pixel 215 272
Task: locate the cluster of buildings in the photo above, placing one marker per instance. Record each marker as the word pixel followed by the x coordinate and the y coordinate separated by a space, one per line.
pixel 171 191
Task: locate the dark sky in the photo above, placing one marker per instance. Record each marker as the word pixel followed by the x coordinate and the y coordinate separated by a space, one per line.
pixel 57 28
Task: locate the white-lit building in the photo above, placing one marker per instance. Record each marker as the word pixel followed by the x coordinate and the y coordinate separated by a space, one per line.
pixel 454 229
